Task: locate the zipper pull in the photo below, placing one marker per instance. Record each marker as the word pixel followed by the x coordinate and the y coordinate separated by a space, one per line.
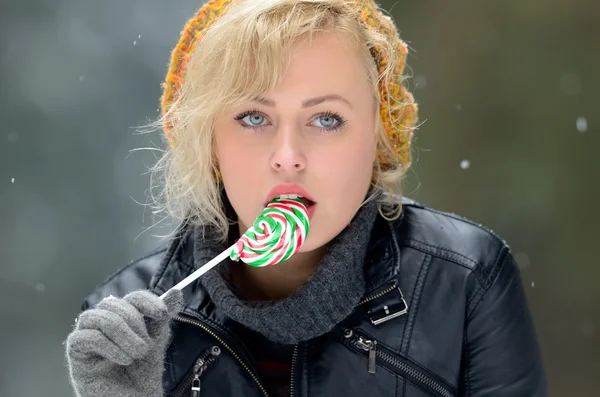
pixel 200 366
pixel 196 386
pixel 373 357
pixel 371 347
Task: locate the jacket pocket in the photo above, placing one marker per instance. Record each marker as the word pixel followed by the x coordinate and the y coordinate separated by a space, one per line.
pixel 379 355
pixel 191 385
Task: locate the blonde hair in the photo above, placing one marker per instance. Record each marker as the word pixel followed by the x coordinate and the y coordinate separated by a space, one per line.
pixel 243 53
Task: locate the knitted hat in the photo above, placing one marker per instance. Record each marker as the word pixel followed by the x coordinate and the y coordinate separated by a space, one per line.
pixel 398 110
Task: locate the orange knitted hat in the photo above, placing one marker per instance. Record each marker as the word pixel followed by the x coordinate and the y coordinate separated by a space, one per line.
pixel 398 110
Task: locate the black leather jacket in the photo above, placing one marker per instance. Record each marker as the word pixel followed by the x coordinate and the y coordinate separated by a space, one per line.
pixel 445 315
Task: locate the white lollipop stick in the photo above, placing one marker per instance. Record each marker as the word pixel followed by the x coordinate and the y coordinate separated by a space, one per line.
pixel 206 267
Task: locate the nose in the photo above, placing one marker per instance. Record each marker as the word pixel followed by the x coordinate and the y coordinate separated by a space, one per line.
pixel 288 156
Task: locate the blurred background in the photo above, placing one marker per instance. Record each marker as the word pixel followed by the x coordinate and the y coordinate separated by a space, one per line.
pixel 507 94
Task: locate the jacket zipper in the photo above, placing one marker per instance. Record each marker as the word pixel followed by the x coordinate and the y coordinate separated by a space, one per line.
pixel 206 359
pixel 294 358
pixel 402 367
pixel 244 365
pixel 226 346
pixel 379 294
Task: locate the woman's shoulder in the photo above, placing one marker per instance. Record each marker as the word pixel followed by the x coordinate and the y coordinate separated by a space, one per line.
pixel 136 275
pixel 449 236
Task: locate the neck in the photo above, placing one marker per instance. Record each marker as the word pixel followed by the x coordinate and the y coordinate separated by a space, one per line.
pixel 275 282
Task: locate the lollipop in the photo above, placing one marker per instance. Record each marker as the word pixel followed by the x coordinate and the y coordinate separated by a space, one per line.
pixel 277 234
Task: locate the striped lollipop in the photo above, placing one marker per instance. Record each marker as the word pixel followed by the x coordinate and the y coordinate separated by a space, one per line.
pixel 277 234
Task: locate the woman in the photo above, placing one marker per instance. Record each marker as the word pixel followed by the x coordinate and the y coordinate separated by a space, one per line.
pixel 385 298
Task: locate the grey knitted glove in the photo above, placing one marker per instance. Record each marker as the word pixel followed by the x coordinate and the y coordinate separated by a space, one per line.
pixel 117 348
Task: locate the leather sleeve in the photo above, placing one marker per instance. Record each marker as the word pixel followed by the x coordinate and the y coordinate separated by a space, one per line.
pixel 501 354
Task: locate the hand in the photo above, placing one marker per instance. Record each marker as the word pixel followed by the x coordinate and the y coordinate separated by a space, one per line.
pixel 117 348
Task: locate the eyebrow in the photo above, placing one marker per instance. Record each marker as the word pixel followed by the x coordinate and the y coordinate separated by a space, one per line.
pixel 309 102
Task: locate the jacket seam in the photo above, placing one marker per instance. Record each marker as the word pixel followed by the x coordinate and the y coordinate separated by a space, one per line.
pixel 415 303
pixel 498 264
pixel 467 367
pixel 438 252
pixel 437 249
pixel 397 253
pixel 500 260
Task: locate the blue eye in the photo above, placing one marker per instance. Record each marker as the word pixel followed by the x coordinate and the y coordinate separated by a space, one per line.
pixel 329 122
pixel 252 119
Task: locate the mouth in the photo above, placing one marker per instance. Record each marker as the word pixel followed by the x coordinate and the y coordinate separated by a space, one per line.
pixel 293 191
pixel 288 191
pixel 307 202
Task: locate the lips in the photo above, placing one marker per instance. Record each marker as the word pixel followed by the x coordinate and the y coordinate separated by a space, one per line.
pixel 287 189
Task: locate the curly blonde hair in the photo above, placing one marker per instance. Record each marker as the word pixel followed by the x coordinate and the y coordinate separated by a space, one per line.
pixel 232 51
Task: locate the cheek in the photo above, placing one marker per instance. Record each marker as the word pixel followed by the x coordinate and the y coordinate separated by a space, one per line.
pixel 237 167
pixel 352 161
pixel 232 155
pixel 240 174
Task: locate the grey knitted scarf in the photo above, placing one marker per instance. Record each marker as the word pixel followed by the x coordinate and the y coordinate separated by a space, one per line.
pixel 328 297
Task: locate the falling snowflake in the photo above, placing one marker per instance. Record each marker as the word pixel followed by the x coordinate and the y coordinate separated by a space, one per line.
pixel 134 42
pixel 458 107
pixel 40 287
pixel 581 124
pixel 420 82
pixel 12 180
pixel 465 164
pixel 532 284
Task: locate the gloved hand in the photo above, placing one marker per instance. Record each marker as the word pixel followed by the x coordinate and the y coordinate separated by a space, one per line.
pixel 117 348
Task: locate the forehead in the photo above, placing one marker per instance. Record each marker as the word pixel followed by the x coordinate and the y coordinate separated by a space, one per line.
pixel 326 59
pixel 319 64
